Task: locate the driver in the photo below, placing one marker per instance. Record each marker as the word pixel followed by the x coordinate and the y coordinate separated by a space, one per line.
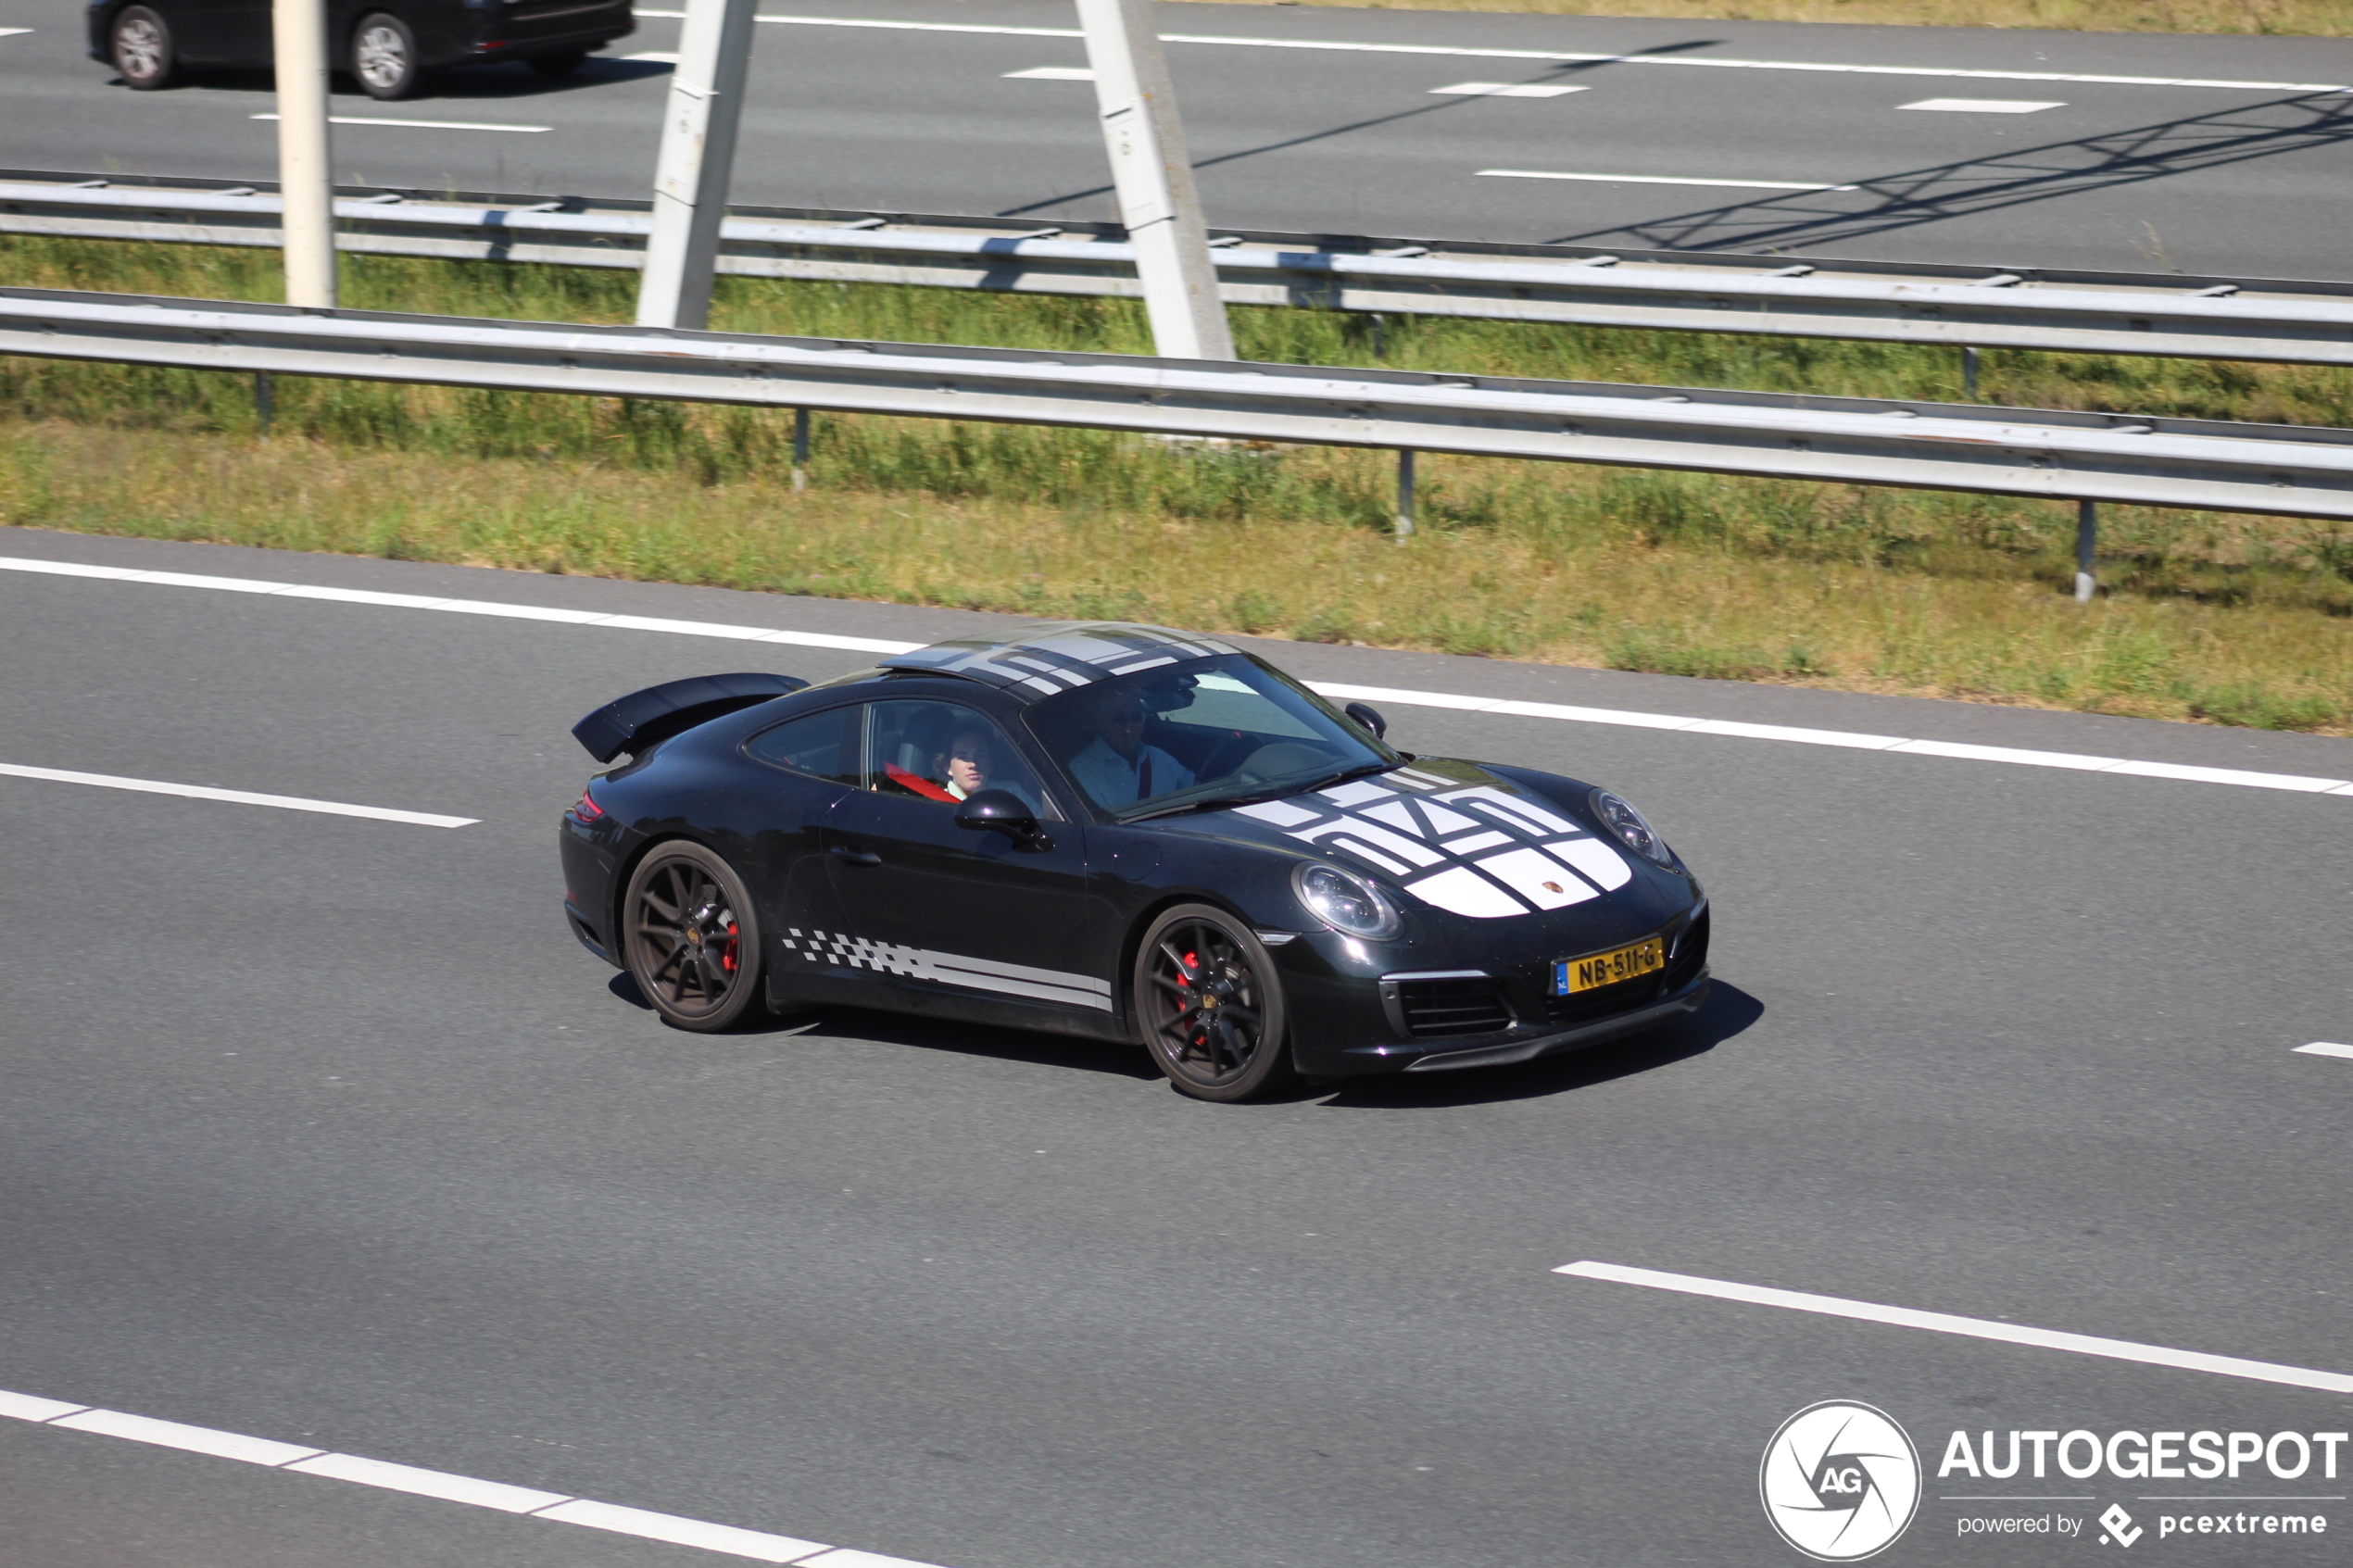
pixel 970 765
pixel 1116 767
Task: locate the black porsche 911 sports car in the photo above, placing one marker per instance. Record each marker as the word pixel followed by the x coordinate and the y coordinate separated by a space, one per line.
pixel 1122 832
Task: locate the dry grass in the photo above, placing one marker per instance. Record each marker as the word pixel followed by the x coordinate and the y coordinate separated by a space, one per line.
pixel 2230 619
pixel 2327 18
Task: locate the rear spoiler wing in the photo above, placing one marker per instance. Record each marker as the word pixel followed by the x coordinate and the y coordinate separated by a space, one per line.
pixel 634 722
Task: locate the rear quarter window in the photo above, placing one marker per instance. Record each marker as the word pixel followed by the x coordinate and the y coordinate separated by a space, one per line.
pixel 823 745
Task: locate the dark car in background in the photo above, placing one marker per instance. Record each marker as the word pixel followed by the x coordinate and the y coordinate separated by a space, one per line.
pixel 387 45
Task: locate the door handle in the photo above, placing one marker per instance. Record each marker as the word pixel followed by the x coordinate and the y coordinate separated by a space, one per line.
pixel 856 856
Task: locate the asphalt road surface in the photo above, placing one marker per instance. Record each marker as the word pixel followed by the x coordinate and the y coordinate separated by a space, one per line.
pixel 322 1130
pixel 2241 176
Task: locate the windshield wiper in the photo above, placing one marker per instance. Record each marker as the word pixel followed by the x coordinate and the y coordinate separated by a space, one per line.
pixel 1224 802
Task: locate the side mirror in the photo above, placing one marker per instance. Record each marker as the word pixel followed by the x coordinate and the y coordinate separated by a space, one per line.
pixel 1365 714
pixel 1000 809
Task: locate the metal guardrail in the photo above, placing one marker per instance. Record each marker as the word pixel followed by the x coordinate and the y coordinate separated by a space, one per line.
pixel 2285 470
pixel 2022 308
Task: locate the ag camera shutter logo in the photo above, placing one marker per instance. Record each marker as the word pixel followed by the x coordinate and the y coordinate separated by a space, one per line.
pixel 1840 1481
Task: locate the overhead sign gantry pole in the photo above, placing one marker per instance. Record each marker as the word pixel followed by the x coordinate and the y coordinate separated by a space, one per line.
pixel 696 159
pixel 306 168
pixel 1155 178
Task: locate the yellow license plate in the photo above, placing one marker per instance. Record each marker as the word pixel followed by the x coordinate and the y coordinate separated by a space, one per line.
pixel 1572 976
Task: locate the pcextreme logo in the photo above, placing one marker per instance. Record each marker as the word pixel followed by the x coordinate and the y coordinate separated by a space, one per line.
pixel 1840 1481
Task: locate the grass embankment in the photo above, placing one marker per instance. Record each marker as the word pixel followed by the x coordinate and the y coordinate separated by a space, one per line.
pixel 2234 620
pixel 2331 18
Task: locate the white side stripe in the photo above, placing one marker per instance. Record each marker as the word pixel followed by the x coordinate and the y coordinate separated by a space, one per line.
pixel 1974 1328
pixel 237 796
pixel 1501 707
pixel 757 1545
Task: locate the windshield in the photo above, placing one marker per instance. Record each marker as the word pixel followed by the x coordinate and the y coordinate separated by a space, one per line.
pixel 1209 732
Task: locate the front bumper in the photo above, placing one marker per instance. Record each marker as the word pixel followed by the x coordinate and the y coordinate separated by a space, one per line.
pixel 1683 1001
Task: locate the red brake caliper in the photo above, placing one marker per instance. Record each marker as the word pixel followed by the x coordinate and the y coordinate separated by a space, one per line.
pixel 1192 961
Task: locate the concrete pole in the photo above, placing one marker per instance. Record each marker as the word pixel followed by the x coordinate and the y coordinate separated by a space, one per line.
pixel 697 157
pixel 1155 178
pixel 1404 523
pixel 305 164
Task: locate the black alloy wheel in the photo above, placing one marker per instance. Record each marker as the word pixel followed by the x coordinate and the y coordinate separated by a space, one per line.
pixel 690 937
pixel 1210 1005
pixel 140 44
pixel 384 56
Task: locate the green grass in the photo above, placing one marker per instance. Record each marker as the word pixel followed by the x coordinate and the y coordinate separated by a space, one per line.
pixel 2228 618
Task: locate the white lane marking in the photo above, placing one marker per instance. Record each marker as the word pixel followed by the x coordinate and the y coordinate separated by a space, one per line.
pixel 12 32
pixel 188 1440
pixel 429 1483
pixel 1051 74
pixel 1974 1328
pixel 1714 62
pixel 669 1527
pixel 458 606
pixel 656 56
pixel 757 1545
pixel 1981 105
pixel 1507 90
pixel 2327 1048
pixel 1502 706
pixel 427 124
pixel 236 796
pixel 1657 180
pixel 2019 756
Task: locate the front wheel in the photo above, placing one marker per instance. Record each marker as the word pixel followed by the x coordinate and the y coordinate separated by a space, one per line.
pixel 384 56
pixel 1210 1006
pixel 140 43
pixel 690 938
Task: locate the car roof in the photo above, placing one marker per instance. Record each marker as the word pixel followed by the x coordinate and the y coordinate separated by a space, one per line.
pixel 1048 657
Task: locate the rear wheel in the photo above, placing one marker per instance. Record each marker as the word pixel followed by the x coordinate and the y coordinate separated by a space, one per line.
pixel 689 937
pixel 1210 1006
pixel 384 56
pixel 140 43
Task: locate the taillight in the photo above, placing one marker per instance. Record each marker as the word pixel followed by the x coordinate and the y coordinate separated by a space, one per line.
pixel 585 810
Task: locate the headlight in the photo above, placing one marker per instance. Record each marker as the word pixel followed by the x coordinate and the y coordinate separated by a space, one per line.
pixel 1348 904
pixel 1618 815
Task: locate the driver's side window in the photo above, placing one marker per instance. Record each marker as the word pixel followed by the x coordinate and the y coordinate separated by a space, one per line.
pixel 944 751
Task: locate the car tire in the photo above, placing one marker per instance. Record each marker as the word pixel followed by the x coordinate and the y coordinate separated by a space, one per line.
pixel 555 67
pixel 139 43
pixel 690 938
pixel 1209 1006
pixel 384 56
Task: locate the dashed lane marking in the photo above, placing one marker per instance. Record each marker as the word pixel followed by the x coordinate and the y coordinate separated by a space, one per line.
pixel 2327 1048
pixel 1704 61
pixel 1658 180
pixel 758 1544
pixel 1508 89
pixel 1501 707
pixel 1974 1328
pixel 427 124
pixel 1051 74
pixel 236 796
pixel 1981 105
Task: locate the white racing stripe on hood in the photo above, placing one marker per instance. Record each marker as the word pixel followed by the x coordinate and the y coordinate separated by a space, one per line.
pixel 1548 862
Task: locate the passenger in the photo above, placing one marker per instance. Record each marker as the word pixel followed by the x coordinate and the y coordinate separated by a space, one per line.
pixel 970 765
pixel 1116 767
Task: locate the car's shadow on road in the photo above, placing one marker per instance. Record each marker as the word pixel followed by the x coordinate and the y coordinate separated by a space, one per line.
pixel 470 84
pixel 1727 1011
pixel 1107 1056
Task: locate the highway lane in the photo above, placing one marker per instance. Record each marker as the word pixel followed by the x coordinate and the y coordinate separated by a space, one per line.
pixel 322 1130
pixel 2140 177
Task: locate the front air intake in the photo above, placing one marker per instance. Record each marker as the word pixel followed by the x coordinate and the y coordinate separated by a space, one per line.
pixel 1438 1009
